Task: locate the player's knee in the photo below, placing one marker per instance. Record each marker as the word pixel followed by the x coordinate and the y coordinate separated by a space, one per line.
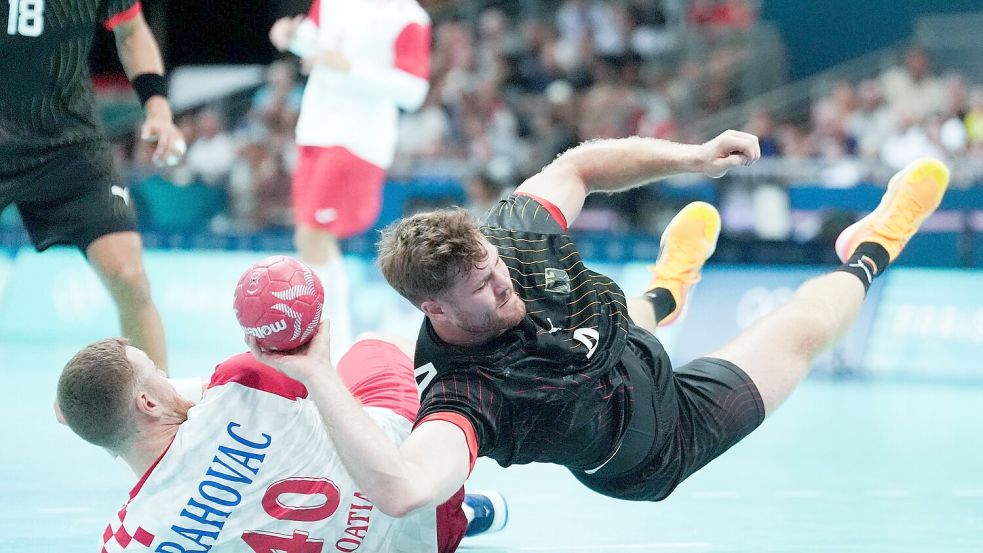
pixel 813 325
pixel 129 280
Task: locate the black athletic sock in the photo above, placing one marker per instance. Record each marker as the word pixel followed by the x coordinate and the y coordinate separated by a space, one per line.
pixel 662 302
pixel 867 262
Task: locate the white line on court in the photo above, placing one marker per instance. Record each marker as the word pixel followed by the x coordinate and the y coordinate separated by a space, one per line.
pixel 889 493
pixel 722 494
pixel 799 493
pixel 618 546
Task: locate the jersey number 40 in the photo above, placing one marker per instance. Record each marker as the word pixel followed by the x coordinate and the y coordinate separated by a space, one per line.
pixel 26 17
pixel 300 541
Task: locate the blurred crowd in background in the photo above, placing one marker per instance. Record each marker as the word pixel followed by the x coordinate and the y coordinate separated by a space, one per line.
pixel 508 94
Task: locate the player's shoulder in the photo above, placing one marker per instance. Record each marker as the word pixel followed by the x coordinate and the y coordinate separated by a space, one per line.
pixel 521 213
pixel 246 370
pixel 433 356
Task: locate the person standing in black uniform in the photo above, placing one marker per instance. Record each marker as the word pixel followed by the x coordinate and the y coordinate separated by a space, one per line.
pixel 526 355
pixel 55 162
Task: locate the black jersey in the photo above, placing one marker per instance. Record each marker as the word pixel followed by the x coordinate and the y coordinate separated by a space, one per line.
pixel 553 388
pixel 46 98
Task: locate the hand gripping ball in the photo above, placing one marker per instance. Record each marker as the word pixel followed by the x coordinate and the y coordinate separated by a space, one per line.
pixel 279 301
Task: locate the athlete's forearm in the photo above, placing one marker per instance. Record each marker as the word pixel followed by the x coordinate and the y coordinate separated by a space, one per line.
pixel 394 484
pixel 138 50
pixel 395 85
pixel 619 164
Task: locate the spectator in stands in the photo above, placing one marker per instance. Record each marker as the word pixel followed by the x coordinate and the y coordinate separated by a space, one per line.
pixel 494 39
pixel 657 117
pixel 952 126
pixel 276 104
pixel 872 122
pixel 794 143
pixel 537 62
pixel 259 188
pixel 717 79
pixel 484 192
pixel 974 117
pixel 721 14
pixel 649 34
pixel 912 88
pixel 211 155
pixel 423 134
pixel 829 121
pixel 762 125
pixel 608 110
pixel 516 92
pixel 909 141
pixel 613 30
pixel 552 129
pixel 576 19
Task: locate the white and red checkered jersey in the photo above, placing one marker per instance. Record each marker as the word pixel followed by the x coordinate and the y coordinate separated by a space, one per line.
pixel 253 469
pixel 387 43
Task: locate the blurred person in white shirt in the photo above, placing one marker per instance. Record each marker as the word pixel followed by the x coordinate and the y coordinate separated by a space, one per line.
pixel 912 87
pixel 367 60
pixel 212 154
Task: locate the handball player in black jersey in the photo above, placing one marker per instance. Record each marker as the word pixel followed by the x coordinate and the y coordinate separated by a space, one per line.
pixel 526 355
pixel 55 163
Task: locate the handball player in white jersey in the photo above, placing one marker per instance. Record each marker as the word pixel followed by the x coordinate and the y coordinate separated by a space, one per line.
pixel 367 60
pixel 249 465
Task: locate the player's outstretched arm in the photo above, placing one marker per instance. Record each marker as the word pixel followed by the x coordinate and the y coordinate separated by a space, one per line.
pixel 140 55
pixel 428 468
pixel 619 164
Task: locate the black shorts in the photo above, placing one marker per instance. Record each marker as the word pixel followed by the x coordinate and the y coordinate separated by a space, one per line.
pixel 709 405
pixel 73 198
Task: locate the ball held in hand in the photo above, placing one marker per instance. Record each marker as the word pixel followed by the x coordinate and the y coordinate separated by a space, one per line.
pixel 279 301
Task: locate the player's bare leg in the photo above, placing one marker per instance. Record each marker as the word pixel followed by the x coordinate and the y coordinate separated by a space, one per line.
pixel 777 351
pixel 316 246
pixel 117 259
pixel 688 241
pixel 322 252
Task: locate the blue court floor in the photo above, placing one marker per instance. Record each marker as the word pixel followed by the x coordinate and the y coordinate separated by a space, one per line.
pixel 843 466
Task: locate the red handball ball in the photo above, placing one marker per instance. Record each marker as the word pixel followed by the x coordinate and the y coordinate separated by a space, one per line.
pixel 279 301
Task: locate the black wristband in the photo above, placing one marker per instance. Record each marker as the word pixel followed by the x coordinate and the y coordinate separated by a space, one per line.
pixel 148 85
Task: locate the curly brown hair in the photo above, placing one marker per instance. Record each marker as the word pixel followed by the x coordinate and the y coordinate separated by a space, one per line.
pixel 420 256
pixel 95 391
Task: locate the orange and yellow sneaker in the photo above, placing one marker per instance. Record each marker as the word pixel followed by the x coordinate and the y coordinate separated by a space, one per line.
pixel 912 195
pixel 688 241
